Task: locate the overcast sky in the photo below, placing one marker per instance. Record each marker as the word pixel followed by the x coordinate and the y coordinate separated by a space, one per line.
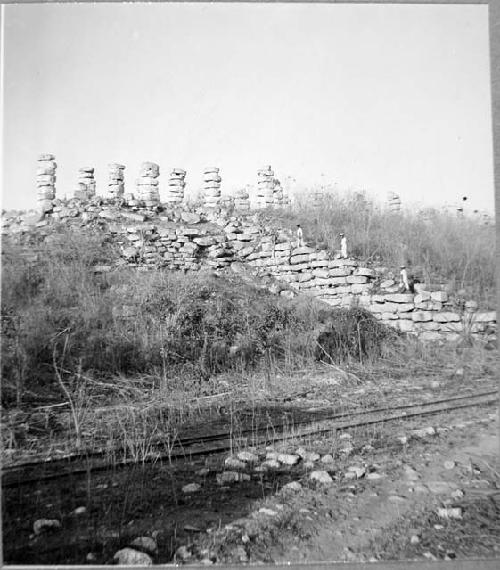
pixel 377 97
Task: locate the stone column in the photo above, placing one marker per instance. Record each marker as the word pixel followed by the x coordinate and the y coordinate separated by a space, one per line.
pixel 86 183
pixel 265 188
pixel 116 180
pixel 46 181
pixel 242 200
pixel 174 194
pixel 394 202
pixel 211 187
pixel 147 184
pixel 277 194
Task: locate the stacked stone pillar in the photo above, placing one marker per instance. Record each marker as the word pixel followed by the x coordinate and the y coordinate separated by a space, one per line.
pixel 242 200
pixel 174 194
pixel 277 194
pixel 116 180
pixel 86 183
pixel 46 181
pixel 147 184
pixel 265 188
pixel 211 187
pixel 394 202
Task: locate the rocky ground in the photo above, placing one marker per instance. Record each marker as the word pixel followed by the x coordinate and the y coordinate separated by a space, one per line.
pixel 421 488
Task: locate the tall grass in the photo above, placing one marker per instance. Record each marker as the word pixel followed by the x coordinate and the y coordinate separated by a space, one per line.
pixel 436 246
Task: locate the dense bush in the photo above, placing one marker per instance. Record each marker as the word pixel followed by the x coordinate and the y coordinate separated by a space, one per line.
pixel 353 334
pixel 60 313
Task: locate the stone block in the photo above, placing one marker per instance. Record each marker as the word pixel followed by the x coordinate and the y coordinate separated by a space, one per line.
pixel 321 273
pixel 485 317
pixel 342 263
pixel 447 317
pixel 357 279
pixel 337 281
pixel 428 326
pixel 421 297
pixel 389 316
pixel 305 250
pixel 421 316
pixel 361 288
pixel 452 327
pixel 387 283
pixel 405 307
pixel 340 271
pixel 319 263
pixel 406 326
pixel 440 296
pixel 205 241
pixel 365 271
pixel 399 297
pixel 297 259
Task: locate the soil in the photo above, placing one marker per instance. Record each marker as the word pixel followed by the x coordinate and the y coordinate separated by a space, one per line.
pixel 456 465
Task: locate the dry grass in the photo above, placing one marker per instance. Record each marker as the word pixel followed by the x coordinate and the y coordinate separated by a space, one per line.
pixel 438 247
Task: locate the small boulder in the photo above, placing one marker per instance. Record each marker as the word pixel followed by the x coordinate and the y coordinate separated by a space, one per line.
pixel 294 487
pixel 288 459
pixel 270 464
pixel 80 510
pixel 231 477
pixel 357 471
pixel 191 488
pixel 45 525
pixel 423 433
pixel 183 553
pixel 440 487
pixel 132 557
pixel 321 477
pixel 145 543
pixel 232 463
pixel 327 459
pixel 450 513
pixel 374 476
pixel 190 218
pixel 268 512
pixel 247 457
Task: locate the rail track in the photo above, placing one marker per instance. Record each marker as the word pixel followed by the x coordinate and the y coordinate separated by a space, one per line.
pixel 321 421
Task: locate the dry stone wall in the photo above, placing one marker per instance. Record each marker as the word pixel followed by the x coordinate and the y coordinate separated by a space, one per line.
pixel 171 235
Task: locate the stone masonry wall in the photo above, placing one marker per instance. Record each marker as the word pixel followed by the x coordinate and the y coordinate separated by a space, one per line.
pixel 182 238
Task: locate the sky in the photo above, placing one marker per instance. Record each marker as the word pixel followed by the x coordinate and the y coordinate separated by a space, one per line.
pixel 381 98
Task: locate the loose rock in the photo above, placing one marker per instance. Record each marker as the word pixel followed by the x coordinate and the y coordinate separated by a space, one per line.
pixel 233 463
pixel 131 557
pixel 294 486
pixel 321 477
pixel 145 543
pixel 191 488
pixel 374 476
pixel 44 525
pixel 450 513
pixel 288 459
pixel 183 553
pixel 357 471
pixel 247 457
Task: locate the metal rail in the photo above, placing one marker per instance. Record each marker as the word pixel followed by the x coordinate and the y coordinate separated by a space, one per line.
pixel 214 443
